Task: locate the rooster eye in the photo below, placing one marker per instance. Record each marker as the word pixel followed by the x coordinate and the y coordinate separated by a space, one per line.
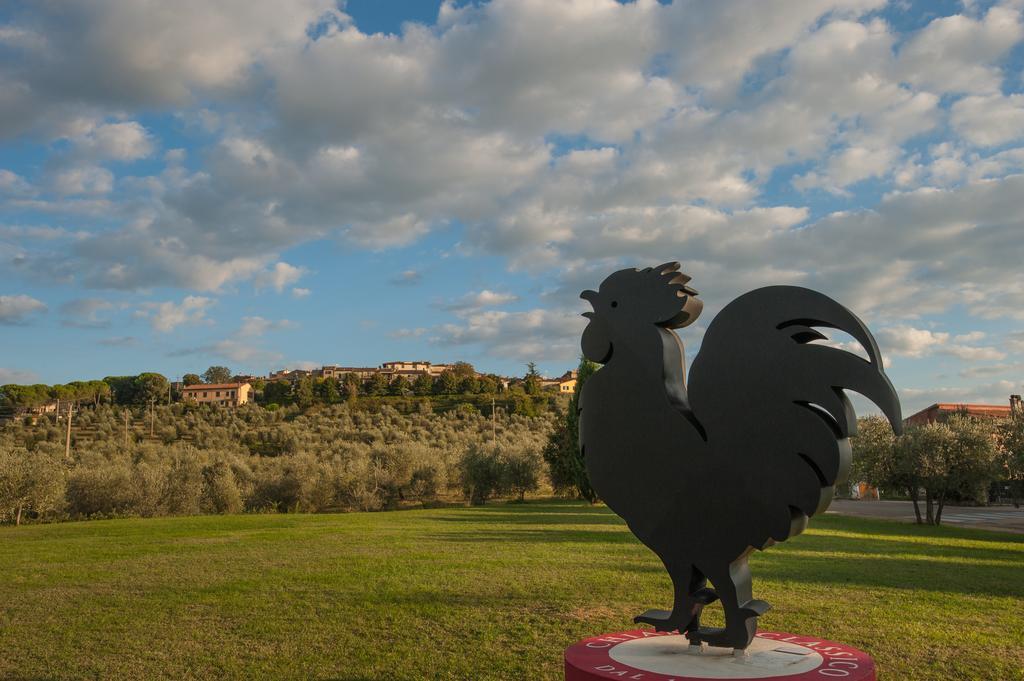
pixel 615 303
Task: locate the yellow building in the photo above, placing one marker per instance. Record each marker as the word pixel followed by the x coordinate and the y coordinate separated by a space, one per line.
pixel 222 394
pixel 567 386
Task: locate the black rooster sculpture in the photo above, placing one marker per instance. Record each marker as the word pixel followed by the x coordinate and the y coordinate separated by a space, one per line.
pixel 738 460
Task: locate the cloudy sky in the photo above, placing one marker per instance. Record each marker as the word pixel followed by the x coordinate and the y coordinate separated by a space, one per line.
pixel 267 184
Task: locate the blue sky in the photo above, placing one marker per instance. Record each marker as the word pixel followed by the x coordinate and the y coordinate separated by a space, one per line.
pixel 268 185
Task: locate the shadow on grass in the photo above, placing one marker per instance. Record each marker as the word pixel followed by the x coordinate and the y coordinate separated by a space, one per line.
pixel 515 536
pixel 534 518
pixel 887 563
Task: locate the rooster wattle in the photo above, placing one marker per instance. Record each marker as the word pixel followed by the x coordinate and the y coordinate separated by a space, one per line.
pixel 738 460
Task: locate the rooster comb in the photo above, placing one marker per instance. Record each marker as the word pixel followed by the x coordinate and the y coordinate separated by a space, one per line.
pixel 661 294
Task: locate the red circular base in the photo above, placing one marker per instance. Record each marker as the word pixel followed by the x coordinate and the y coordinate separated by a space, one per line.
pixel 654 656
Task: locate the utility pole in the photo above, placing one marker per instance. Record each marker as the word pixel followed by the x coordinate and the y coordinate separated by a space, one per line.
pixel 494 422
pixel 67 440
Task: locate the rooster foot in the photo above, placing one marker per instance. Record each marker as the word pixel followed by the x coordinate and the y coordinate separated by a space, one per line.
pixel 670 620
pixel 739 629
pixel 661 620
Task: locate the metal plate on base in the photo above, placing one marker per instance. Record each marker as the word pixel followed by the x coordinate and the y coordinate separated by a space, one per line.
pixel 653 656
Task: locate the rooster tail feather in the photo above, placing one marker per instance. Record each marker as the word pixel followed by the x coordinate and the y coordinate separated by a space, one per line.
pixel 773 401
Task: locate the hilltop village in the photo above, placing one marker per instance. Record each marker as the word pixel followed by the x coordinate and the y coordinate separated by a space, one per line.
pixel 331 383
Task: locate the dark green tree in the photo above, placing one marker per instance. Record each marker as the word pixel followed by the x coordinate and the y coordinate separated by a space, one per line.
pixel 122 389
pixel 423 385
pixel 20 396
pixel 303 392
pixel 377 385
pixel 327 391
pixel 217 374
pixel 531 382
pixel 487 385
pixel 191 379
pixel 463 370
pixel 151 387
pixel 398 387
pixel 446 384
pixel 562 452
pixel 277 392
pixel 351 386
pixel 470 385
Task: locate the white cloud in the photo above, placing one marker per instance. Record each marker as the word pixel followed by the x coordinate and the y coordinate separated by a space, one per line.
pixel 300 292
pixel 86 313
pixel 958 53
pixel 409 333
pixel 280 276
pixel 17 376
pixel 233 351
pixel 118 341
pixel 168 315
pixel 85 179
pixel 12 184
pixel 989 120
pixel 908 341
pixel 119 53
pixel 1015 341
pixel 485 298
pixel 533 335
pixel 19 309
pixel 849 166
pixel 257 326
pixel 407 278
pixel 127 141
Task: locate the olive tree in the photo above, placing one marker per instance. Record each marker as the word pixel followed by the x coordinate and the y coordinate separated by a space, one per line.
pixel 522 467
pixel 29 482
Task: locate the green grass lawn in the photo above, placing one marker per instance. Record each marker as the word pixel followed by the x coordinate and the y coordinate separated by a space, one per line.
pixel 468 593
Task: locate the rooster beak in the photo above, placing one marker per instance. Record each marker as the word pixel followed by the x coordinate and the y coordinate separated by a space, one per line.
pixel 588 295
pixel 588 315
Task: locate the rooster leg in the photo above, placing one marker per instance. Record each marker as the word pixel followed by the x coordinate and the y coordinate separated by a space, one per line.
pixel 741 609
pixel 691 595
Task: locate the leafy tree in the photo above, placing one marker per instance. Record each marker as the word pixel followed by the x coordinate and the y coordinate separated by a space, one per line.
pixel 217 374
pixel 277 392
pixel 377 385
pixel 23 396
pixel 938 459
pixel 151 387
pixel 423 385
pixel 191 379
pixel 968 464
pixel 351 386
pixel 122 389
pixel 531 382
pixel 327 391
pixel 470 385
pixel 482 474
pixel 1011 444
pixel 400 386
pixel 447 383
pixel 463 370
pixel 873 453
pixel 487 385
pixel 565 460
pixel 522 470
pixel 303 392
pixel 29 481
